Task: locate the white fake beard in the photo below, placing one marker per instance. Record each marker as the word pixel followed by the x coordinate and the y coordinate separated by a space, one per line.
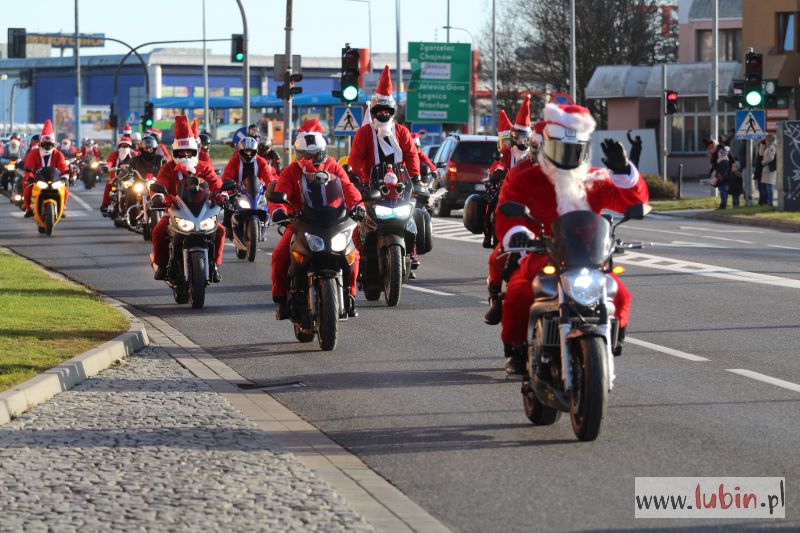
pixel 518 155
pixel 123 152
pixel 384 129
pixel 15 145
pixel 189 163
pixel 570 185
pixel 46 152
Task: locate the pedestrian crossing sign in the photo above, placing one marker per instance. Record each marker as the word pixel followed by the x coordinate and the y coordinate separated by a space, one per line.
pixel 346 120
pixel 750 124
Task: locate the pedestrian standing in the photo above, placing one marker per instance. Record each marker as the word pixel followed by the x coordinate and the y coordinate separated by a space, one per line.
pixel 636 148
pixel 735 186
pixel 722 172
pixel 770 172
pixel 758 170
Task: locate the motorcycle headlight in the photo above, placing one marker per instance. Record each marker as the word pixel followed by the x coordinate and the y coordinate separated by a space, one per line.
pixel 584 286
pixel 57 184
pixel 183 224
pixel 138 188
pixel 127 183
pixel 17 197
pixel 208 224
pixel 10 166
pixel 315 244
pixel 41 184
pixel 382 212
pixel 402 211
pixel 94 164
pixel 243 203
pixel 340 241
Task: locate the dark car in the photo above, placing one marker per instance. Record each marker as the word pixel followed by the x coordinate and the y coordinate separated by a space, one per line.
pixel 462 161
pixel 430 150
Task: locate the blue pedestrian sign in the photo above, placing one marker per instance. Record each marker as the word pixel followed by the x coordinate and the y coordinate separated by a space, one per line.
pixel 238 135
pixel 750 124
pixel 346 120
pixel 132 119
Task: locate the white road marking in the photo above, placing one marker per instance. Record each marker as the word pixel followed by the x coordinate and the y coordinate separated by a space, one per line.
pixel 700 228
pixel 766 379
pixel 429 291
pixel 664 349
pixel 783 247
pixel 671 232
pixel 81 201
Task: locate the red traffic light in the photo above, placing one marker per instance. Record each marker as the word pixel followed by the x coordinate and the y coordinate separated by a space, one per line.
pixel 672 96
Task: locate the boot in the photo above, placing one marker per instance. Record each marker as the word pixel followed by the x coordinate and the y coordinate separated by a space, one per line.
pixel 620 341
pixel 495 313
pixel 29 213
pixel 215 275
pixel 351 306
pixel 414 258
pixel 160 273
pixel 281 308
pixel 515 359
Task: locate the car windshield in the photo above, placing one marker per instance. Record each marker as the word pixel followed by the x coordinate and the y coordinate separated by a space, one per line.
pixel 474 152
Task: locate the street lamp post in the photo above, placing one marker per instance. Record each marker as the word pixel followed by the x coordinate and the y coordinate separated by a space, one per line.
pixel 474 99
pixel 206 120
pixel 77 79
pixel 494 65
pixel 246 66
pixel 369 15
pixel 399 65
pixel 4 78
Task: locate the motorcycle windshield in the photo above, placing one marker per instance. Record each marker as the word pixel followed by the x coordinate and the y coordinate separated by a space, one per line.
pixel 323 199
pixel 581 238
pixel 251 186
pixel 194 193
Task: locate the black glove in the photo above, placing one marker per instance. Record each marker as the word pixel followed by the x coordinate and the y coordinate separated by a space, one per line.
pixel 520 239
pixel 157 201
pixel 279 215
pixel 616 159
pixel 359 213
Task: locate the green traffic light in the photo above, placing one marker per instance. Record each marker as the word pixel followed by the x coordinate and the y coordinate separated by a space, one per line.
pixel 753 98
pixel 239 56
pixel 148 123
pixel 350 93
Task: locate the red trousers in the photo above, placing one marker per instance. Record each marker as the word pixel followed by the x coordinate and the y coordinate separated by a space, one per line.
pixel 496 264
pixel 161 242
pixel 519 298
pixel 280 267
pixel 28 192
pixel 107 192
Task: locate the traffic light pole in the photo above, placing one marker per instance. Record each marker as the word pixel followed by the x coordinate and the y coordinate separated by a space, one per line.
pixel 287 106
pixel 663 121
pixel 246 74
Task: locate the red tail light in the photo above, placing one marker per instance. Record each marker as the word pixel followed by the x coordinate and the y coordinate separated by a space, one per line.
pixel 451 169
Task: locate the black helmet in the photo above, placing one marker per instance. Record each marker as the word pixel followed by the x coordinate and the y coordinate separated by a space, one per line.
pixel 148 146
pixel 252 130
pixel 205 141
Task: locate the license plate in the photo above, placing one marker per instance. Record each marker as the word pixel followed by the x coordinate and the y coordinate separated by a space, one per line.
pixel 480 187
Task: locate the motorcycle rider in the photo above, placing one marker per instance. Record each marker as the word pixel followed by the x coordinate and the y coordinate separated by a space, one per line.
pixel 13 148
pixel 266 151
pixel 393 141
pixel 127 131
pixel 560 181
pixel 44 155
pixel 122 156
pixel 252 131
pixel 155 133
pixel 205 144
pixel 426 166
pixel 312 156
pixel 67 149
pixel 136 139
pixel 514 144
pixel 90 148
pixel 244 163
pixel 34 144
pixel 185 163
pixel 147 161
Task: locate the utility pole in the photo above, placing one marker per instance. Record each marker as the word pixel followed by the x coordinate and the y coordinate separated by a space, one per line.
pixel 494 65
pixel 572 83
pixel 206 119
pixel 399 65
pixel 246 88
pixel 663 121
pixel 77 55
pixel 448 21
pixel 715 74
pixel 287 105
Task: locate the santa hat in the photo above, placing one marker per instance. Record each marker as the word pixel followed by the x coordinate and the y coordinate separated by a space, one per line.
pixel 367 117
pixel 47 132
pixel 310 134
pixel 503 124
pixel 523 120
pixel 127 129
pixel 194 129
pixel 154 131
pixel 184 140
pixel 125 139
pixel 14 136
pixel 538 131
pixel 383 93
pixel 416 139
pixel 568 121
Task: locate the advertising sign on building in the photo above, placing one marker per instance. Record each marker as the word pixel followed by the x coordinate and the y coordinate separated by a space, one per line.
pixel 439 88
pixel 94 119
pixel 789 166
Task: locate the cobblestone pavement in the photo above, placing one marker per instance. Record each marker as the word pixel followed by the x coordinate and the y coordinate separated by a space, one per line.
pixel 147 446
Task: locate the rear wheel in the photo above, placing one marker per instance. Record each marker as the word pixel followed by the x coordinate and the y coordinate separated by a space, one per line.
pixel 252 239
pixel 393 275
pixel 589 394
pixel 50 214
pixel 197 279
pixel 327 314
pixel 372 294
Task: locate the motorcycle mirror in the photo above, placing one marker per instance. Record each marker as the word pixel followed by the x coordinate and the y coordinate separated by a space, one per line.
pixel 637 212
pixel 514 209
pixel 228 185
pixel 278 198
pixel 157 188
pixel 371 196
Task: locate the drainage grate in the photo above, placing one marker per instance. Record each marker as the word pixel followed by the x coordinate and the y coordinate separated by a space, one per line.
pixel 271 387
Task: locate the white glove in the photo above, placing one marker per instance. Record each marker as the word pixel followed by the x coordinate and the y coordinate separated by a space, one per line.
pixel 517 233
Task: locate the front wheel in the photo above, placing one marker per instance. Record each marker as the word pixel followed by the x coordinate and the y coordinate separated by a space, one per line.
pixel 197 279
pixel 589 395
pixel 50 215
pixel 327 314
pixel 393 275
pixel 252 239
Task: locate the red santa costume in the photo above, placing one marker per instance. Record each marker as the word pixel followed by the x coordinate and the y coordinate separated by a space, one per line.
pixel 291 182
pixel 235 169
pixel 122 156
pixel 549 192
pixel 170 176
pixel 40 157
pixel 127 131
pixel 383 141
pixel 504 126
pixel 423 159
pixel 521 129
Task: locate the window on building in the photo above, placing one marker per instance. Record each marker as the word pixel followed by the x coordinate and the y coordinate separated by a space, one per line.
pixel 787 32
pixel 730 45
pixel 692 125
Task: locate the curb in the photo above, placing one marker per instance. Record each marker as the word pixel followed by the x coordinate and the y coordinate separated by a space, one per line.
pixel 60 378
pixel 783 225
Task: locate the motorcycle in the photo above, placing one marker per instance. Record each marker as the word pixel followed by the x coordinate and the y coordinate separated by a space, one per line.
pixel 89 171
pixel 322 254
pixel 393 226
pixel 572 331
pixel 192 231
pixel 47 198
pixel 148 215
pixel 18 189
pixel 9 168
pixel 479 208
pixel 126 190
pixel 248 217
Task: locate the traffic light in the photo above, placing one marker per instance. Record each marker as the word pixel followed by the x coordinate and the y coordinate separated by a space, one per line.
pixel 348 82
pixel 147 118
pixel 671 102
pixel 237 48
pixel 113 120
pixel 17 38
pixel 288 83
pixel 753 69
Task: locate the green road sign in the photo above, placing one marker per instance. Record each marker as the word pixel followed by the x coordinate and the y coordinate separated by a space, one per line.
pixel 440 82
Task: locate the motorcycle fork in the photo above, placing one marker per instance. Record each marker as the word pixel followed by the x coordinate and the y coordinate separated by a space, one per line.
pixel 312 297
pixel 605 328
pixel 340 295
pixel 564 327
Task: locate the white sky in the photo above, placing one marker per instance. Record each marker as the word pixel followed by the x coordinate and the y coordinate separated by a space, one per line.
pixel 321 27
